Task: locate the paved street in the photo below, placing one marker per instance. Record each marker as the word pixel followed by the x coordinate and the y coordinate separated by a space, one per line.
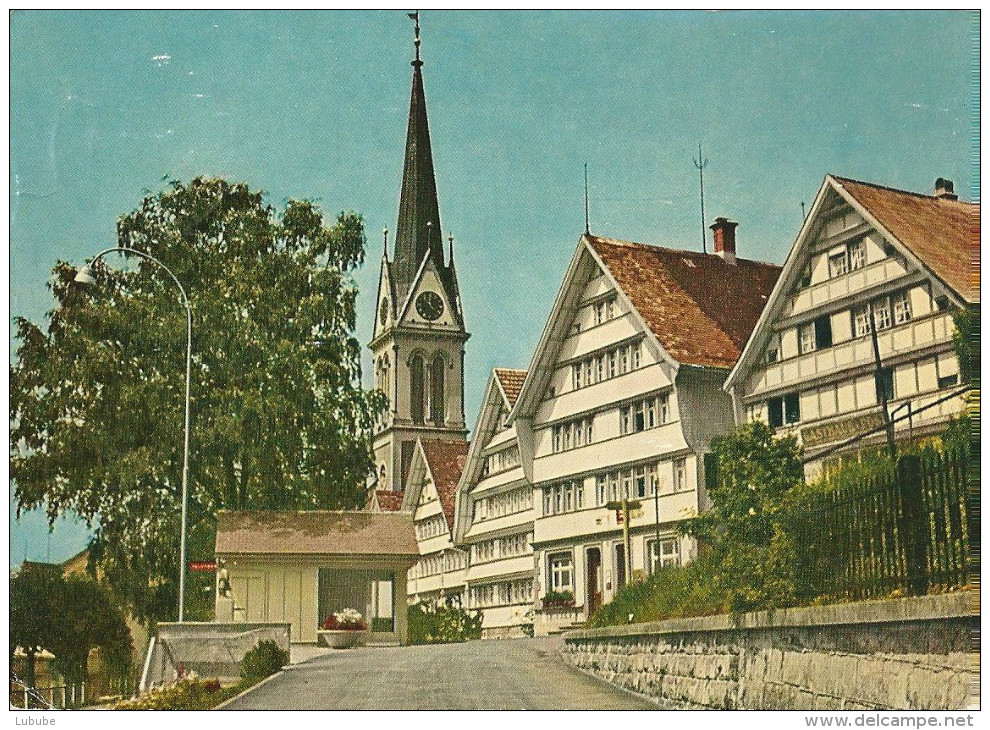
pixel 520 674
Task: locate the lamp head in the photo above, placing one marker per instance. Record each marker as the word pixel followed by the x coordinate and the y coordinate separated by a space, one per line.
pixel 85 275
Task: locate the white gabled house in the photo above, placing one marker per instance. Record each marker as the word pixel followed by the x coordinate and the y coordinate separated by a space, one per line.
pixel 810 368
pixel 621 400
pixel 494 515
pixel 429 495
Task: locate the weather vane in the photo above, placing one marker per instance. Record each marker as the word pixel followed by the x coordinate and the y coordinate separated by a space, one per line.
pixel 415 16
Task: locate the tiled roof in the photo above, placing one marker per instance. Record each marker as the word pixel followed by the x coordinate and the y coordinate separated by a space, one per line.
pixel 944 234
pixel 316 533
pixel 701 308
pixel 446 460
pixel 389 501
pixel 511 381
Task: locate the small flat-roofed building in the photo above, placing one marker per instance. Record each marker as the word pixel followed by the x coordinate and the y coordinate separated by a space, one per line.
pixel 865 254
pixel 299 567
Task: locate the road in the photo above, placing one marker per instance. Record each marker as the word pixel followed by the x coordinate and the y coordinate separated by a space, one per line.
pixel 511 674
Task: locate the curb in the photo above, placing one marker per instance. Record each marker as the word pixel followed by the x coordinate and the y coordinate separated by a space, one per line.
pixel 252 688
pixel 655 701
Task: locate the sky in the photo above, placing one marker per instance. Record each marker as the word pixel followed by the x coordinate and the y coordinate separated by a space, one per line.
pixel 313 104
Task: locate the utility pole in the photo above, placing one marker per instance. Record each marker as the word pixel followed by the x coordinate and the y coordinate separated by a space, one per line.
pixel 881 389
pixel 628 508
pixel 701 163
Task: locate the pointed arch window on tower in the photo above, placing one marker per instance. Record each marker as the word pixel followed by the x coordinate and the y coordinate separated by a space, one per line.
pixel 437 400
pixel 417 382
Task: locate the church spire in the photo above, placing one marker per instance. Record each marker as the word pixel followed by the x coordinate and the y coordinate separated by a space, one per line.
pixel 418 231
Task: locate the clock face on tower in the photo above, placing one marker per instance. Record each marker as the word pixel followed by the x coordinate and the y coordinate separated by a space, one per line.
pixel 429 305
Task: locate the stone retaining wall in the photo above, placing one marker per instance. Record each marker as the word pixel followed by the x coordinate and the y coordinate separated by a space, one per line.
pixel 909 654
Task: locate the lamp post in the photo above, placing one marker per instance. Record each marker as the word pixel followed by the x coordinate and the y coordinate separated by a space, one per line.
pixel 85 276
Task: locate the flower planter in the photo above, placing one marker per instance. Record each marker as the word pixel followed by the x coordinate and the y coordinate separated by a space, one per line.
pixel 339 638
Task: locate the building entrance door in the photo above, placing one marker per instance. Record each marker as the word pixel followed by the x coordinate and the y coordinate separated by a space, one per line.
pixel 594 573
pixel 620 565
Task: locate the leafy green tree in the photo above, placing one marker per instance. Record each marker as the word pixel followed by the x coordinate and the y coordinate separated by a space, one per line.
pixel 279 417
pixel 745 529
pixel 36 612
pixel 967 343
pixel 91 619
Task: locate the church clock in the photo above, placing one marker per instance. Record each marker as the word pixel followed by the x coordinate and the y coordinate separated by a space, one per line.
pixel 429 305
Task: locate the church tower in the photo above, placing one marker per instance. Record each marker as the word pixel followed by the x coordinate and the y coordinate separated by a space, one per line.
pixel 418 343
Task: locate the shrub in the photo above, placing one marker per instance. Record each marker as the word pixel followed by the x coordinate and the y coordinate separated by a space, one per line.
pixel 263 660
pixel 443 624
pixel 558 599
pixel 188 693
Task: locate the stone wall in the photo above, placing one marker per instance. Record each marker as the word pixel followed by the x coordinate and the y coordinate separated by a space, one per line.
pixel 908 654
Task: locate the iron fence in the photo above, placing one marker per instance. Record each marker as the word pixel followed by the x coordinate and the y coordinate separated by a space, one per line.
pixel 903 529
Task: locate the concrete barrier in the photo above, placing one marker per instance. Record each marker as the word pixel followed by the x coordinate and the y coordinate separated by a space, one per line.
pixel 905 654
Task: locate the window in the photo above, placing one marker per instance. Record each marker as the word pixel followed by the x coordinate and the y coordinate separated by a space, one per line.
pixel 902 307
pixel 857 255
pixel 589 371
pixel 654 480
pixel 838 264
pixel 601 484
pixel 651 413
pixel 437 404
pixel 885 384
pixel 667 554
pixel 805 281
pixel 644 414
pixel 634 355
pixel 568 497
pixel 626 485
pixel 547 504
pixel 576 372
pixel 567 436
pixel 680 475
pixel 823 332
pixel 600 366
pixel 775 412
pixel 599 312
pixel 881 313
pixel 610 309
pixel 571 435
pixel 613 363
pixel 947 381
pixel 416 384
pixel 560 572
pixel 639 416
pixel 806 336
pixel 641 481
pixel 625 419
pixel 557 442
pixel 623 360
pixel 772 354
pixel 792 408
pixel 663 408
pixel 861 321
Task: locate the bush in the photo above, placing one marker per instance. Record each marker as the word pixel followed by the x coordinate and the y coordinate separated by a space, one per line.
pixel 188 693
pixel 263 660
pixel 443 624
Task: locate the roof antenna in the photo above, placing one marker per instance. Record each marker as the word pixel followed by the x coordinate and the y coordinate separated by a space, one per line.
pixel 415 16
pixel 587 223
pixel 701 163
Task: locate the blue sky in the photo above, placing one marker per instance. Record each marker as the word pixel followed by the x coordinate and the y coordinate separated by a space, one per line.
pixel 105 105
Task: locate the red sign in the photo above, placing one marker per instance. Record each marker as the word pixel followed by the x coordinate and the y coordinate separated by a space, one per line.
pixel 202 566
pixel 618 516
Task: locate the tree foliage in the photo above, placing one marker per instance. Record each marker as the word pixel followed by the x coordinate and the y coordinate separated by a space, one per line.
pixel 35 611
pixel 279 420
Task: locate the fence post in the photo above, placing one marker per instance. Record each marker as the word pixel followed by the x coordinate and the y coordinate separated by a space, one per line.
pixel 912 509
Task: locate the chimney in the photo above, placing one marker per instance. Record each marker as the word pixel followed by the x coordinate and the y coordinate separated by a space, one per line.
pixel 943 189
pixel 724 235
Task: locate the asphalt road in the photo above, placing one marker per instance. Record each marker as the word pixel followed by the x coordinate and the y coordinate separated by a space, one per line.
pixel 511 674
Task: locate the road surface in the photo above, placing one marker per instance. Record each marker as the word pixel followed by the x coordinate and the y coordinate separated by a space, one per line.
pixel 510 674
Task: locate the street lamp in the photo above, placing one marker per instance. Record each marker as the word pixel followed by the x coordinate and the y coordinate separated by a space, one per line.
pixel 85 276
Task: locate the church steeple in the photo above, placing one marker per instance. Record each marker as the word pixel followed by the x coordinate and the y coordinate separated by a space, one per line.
pixel 418 231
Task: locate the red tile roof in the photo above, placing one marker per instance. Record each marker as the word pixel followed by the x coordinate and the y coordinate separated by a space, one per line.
pixel 511 382
pixel 446 461
pixel 389 501
pixel 944 234
pixel 316 533
pixel 701 308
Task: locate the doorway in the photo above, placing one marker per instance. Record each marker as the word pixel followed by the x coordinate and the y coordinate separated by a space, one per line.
pixel 594 579
pixel 620 565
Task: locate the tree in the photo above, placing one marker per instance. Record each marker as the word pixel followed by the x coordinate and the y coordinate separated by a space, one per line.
pixel 745 530
pixel 36 612
pixel 279 418
pixel 92 619
pixel 966 339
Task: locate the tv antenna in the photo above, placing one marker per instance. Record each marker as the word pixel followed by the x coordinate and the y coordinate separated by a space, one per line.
pixel 587 220
pixel 701 163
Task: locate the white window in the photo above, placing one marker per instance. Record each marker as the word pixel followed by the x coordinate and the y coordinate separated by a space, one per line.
pixel 610 309
pixel 576 372
pixel 579 494
pixel 881 313
pixel 568 497
pixel 599 312
pixel 613 487
pixel 557 442
pixel 627 484
pixel 663 406
pixel 613 362
pixel 838 264
pixel 641 481
pixel 680 475
pixel 861 321
pixel 560 572
pixel 558 499
pixel 651 413
pixel 601 484
pixel 625 419
pixel 547 503
pixel 623 360
pixel 600 365
pixel 902 307
pixel 578 433
pixel 588 430
pixel 667 554
pixel 857 255
pixel 567 436
pixel 634 355
pixel 654 480
pixel 589 371
pixel 807 337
